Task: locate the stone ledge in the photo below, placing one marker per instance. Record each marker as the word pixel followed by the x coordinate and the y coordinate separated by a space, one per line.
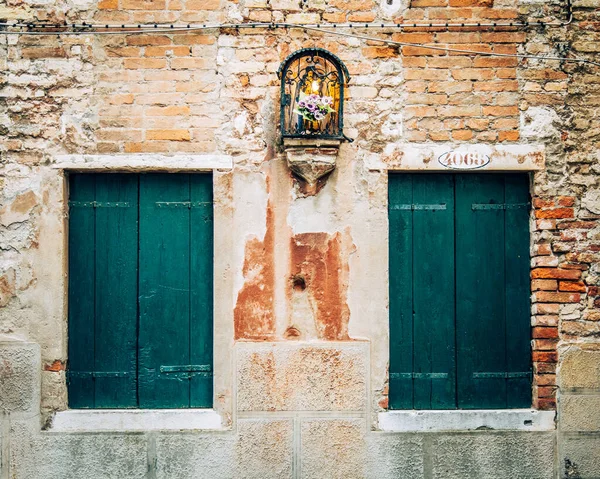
pixel 144 162
pixel 78 420
pixel 471 420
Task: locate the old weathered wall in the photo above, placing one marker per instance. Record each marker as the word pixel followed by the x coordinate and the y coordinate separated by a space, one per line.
pixel 301 356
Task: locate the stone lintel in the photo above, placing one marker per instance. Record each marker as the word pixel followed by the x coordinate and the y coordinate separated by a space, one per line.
pixel 143 162
pixel 452 157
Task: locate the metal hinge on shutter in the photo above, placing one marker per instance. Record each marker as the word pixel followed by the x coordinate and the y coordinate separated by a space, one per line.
pixel 100 204
pixel 203 370
pixel 524 374
pixel 419 207
pixel 499 206
pixel 182 204
pixel 418 375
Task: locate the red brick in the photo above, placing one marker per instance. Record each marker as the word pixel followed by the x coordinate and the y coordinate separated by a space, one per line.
pixel 543 249
pixel 43 52
pixel 471 3
pixel 420 51
pixel 557 213
pixel 555 273
pixel 511 135
pixel 545 379
pixel 428 3
pixel 379 52
pixel 546 391
pixel 500 110
pixel 545 356
pixel 144 63
pixel 543 202
pixel 545 404
pixel 473 74
pixel 503 37
pixel 547 297
pixel 413 37
pixel 462 135
pixel 545 333
pixel 544 285
pixel 145 40
pixel 173 135
pixel 55 366
pixel 578 286
pixel 544 344
pixel 566 200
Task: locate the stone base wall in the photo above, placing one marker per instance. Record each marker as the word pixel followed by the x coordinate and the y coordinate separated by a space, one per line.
pixel 317 435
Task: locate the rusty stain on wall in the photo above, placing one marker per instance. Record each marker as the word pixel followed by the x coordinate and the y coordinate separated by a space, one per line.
pixel 254 317
pixel 319 267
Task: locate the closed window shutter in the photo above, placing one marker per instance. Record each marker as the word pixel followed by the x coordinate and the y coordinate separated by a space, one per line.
pixel 459 291
pixel 140 291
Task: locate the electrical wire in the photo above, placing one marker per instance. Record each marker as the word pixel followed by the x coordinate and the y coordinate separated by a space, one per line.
pixel 454 50
pixel 325 29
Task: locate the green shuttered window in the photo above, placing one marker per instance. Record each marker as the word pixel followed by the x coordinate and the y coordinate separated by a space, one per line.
pixel 140 291
pixel 459 291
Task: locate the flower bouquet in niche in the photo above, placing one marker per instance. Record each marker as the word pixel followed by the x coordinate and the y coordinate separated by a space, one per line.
pixel 314 108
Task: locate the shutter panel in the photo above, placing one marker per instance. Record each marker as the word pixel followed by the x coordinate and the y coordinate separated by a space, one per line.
pixel 103 290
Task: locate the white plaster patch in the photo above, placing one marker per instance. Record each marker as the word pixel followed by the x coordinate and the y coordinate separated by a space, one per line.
pixel 250 198
pixel 390 8
pixel 143 161
pixel 538 122
pixel 502 419
pixel 591 201
pixel 314 213
pixel 135 420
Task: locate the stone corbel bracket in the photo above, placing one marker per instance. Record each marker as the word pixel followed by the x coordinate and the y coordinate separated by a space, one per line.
pixel 311 159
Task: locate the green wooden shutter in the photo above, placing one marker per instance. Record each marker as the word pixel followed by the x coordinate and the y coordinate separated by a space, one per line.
pixel 103 291
pixel 459 291
pixel 422 360
pixel 140 291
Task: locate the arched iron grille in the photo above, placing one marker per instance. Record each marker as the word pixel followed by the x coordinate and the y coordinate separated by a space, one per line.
pixel 312 95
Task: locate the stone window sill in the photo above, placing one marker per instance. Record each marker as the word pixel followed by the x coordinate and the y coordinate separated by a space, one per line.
pixel 467 420
pixel 120 420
